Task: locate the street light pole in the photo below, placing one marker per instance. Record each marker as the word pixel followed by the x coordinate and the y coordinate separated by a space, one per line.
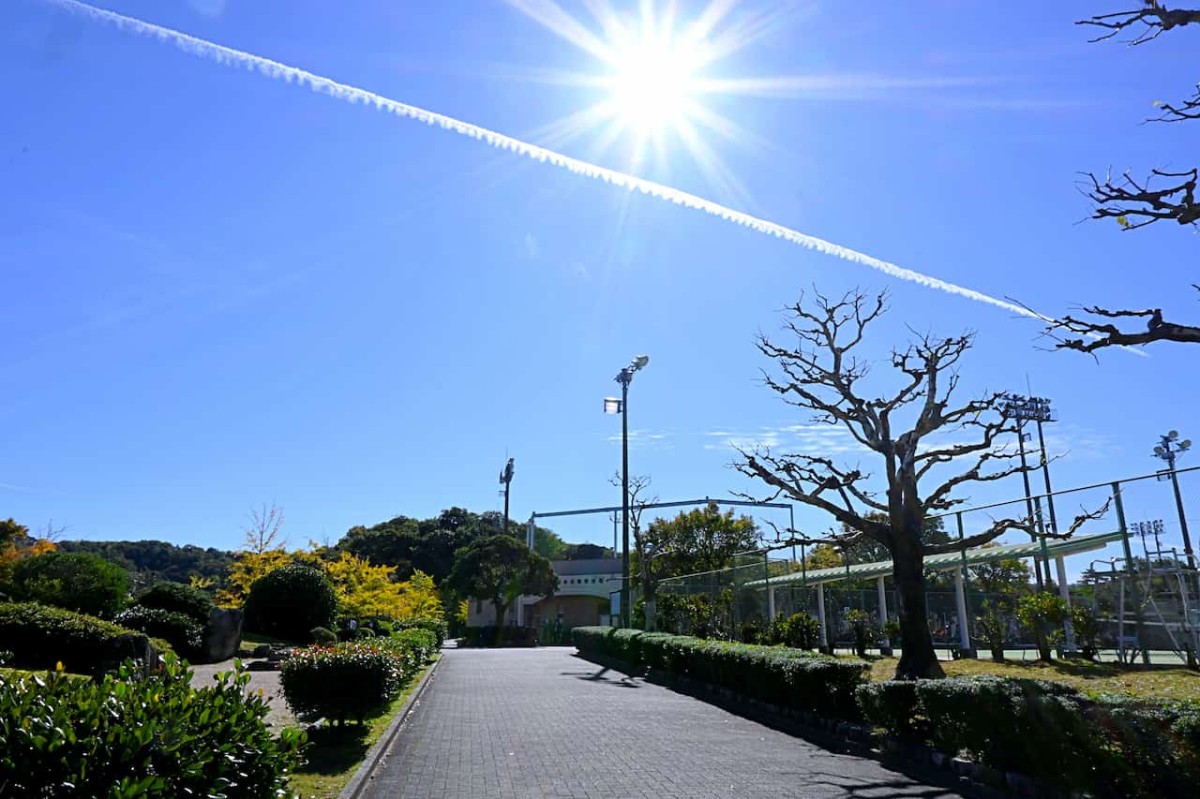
pixel 1169 448
pixel 625 377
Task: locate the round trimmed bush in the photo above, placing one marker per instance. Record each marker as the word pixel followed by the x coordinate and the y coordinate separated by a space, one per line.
pixel 290 601
pixel 77 581
pixel 178 598
pixel 349 681
pixel 323 636
pixel 182 632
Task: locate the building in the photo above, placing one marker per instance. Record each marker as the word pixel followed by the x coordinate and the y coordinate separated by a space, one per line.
pixel 584 597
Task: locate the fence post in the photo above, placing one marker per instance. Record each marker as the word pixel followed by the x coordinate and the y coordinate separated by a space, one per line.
pixel 1137 601
pixel 824 644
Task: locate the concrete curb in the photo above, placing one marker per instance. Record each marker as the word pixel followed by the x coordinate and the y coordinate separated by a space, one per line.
pixel 366 770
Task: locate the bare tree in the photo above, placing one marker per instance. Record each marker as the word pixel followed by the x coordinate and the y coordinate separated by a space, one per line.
pixel 908 431
pixel 643 578
pixel 1165 195
pixel 262 534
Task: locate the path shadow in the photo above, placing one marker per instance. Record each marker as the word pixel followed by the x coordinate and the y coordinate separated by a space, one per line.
pixel 600 677
pixel 333 750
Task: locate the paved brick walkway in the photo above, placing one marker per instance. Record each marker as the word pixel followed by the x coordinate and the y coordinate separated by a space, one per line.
pixel 544 723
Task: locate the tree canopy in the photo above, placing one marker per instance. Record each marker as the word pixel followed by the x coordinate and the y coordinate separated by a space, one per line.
pixel 499 569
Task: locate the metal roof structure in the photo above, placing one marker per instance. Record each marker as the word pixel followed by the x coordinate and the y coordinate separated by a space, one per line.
pixel 943 562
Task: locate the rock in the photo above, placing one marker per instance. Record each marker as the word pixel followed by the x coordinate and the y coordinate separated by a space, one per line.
pixel 222 636
pixel 262 651
pixel 962 767
pixel 1020 784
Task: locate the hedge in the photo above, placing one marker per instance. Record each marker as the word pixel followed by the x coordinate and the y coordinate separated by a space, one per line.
pixel 182 632
pixel 128 735
pixel 788 678
pixel 76 581
pixel 40 637
pixel 1108 746
pixel 492 635
pixel 355 680
pixel 178 598
pixel 436 626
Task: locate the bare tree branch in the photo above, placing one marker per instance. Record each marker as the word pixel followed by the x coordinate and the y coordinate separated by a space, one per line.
pixel 1149 22
pixel 1088 336
pixel 1188 109
pixel 1135 205
pixel 1025 524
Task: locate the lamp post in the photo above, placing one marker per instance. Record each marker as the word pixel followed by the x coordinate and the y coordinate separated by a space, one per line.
pixel 1169 448
pixel 621 406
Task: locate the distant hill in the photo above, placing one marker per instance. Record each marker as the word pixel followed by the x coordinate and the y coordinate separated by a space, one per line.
pixel 149 562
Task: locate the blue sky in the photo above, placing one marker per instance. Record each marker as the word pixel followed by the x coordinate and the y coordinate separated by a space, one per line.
pixel 222 289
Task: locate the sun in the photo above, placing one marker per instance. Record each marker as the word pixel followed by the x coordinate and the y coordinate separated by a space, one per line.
pixel 656 77
pixel 654 85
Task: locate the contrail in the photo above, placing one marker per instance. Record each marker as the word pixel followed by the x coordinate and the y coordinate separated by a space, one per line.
pixel 273 69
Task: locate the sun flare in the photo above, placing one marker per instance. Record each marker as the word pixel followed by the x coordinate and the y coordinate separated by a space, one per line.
pixel 654 84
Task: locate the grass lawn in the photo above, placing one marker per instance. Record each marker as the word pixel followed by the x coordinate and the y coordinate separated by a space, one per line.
pixel 1167 682
pixel 334 753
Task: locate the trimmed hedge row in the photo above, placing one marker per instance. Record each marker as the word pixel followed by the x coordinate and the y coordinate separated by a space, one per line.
pixel 789 678
pixel 40 637
pixel 355 680
pixel 185 634
pixel 131 736
pixel 492 635
pixel 436 626
pixel 1107 746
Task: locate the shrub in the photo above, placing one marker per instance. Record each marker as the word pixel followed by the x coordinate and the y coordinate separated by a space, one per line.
pixel 323 636
pixel 1043 615
pixel 1087 630
pixel 290 601
pixel 182 632
pixel 993 626
pixel 751 631
pixel 799 631
pixel 154 737
pixel 178 598
pixel 75 581
pixel 41 636
pixel 893 706
pixel 436 626
pixel 348 681
pixel 865 632
pixel 498 636
pixel 789 678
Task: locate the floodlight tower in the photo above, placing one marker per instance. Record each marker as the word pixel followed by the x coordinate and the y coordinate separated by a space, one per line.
pixel 1033 409
pixel 621 406
pixel 1169 448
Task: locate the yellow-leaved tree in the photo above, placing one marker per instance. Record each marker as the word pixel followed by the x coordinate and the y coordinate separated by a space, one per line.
pixel 420 599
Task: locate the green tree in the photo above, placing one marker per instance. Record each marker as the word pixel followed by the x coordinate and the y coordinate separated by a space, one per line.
pixel 499 569
pixel 1009 576
pixel 82 583
pixel 699 540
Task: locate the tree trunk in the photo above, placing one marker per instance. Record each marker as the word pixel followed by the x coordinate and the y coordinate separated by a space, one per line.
pixel 917 658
